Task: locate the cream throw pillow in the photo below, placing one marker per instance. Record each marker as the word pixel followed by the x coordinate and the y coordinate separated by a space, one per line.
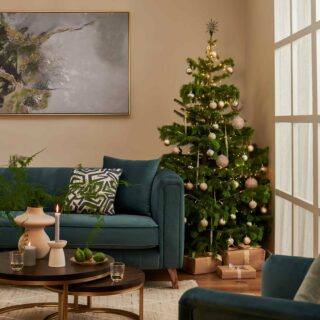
pixel 309 290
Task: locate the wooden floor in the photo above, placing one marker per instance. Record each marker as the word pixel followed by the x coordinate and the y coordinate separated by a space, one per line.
pixel 212 281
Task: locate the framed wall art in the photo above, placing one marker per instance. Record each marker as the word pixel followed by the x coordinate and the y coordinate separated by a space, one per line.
pixel 64 63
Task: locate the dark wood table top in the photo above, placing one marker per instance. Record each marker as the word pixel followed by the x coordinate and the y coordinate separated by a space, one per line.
pixel 41 272
pixel 133 277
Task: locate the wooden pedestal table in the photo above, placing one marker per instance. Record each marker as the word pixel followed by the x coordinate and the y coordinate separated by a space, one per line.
pixel 43 275
pixel 133 280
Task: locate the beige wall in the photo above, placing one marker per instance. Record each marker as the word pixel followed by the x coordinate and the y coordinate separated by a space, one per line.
pixel 259 80
pixel 163 34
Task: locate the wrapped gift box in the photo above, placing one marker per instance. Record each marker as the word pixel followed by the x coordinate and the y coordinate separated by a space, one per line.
pixel 200 265
pixel 252 256
pixel 236 272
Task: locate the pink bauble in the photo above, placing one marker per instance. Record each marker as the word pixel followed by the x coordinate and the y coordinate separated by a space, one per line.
pixel 222 161
pixel 237 123
pixel 251 183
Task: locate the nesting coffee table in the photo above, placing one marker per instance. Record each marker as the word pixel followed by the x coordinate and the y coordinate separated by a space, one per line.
pixel 68 280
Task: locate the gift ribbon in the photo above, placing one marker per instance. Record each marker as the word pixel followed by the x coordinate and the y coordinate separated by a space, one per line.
pixel 246 256
pixel 238 268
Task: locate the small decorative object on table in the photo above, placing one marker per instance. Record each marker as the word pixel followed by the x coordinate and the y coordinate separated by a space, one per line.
pixel 16 260
pixel 117 271
pixel 236 272
pixel 30 255
pixel 56 257
pixel 245 255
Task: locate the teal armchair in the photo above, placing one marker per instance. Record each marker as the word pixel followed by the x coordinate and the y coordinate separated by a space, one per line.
pixel 281 278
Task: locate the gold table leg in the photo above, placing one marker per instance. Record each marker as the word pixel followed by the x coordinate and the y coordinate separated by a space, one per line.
pixel 141 303
pixel 64 314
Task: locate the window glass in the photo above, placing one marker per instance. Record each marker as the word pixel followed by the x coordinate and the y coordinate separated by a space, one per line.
pixel 284 157
pixel 283 226
pixel 302 76
pixel 301 14
pixel 282 19
pixel 283 80
pixel 302 232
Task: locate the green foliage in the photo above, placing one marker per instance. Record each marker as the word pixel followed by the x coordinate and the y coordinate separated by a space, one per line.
pixel 207 105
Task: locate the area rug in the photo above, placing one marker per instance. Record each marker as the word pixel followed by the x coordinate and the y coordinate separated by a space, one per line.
pixel 160 302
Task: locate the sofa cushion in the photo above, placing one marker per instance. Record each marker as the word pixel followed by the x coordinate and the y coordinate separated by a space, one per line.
pixel 309 291
pixel 122 231
pixel 139 174
pixel 93 190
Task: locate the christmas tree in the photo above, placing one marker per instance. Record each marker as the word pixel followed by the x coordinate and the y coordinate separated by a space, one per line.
pixel 227 191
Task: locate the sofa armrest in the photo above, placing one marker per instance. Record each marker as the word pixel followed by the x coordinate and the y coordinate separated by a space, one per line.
pixel 167 209
pixel 283 275
pixel 204 304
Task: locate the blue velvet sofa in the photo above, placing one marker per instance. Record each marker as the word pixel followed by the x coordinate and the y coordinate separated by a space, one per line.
pixel 281 278
pixel 149 239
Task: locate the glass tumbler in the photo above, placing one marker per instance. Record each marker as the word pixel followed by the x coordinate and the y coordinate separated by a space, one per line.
pixel 117 271
pixel 16 260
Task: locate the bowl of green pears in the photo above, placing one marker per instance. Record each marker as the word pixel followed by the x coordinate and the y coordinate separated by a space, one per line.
pixel 87 257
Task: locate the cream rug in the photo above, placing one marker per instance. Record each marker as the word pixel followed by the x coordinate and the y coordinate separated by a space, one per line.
pixel 160 302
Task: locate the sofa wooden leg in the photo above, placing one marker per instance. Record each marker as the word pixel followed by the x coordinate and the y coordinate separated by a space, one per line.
pixel 173 277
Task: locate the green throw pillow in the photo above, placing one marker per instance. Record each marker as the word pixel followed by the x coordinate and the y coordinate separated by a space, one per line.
pixel 93 190
pixel 139 174
pixel 309 291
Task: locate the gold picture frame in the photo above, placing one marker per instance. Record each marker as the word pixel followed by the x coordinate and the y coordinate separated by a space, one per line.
pixel 66 63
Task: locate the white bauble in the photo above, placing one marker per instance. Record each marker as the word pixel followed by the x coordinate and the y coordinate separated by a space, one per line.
pixel 230 241
pixel 221 104
pixel 213 104
pixel 203 120
pixel 203 186
pixel 188 70
pixel 204 222
pixel 185 220
pixel 252 204
pixel 233 216
pixel 250 147
pixel 237 123
pixel 190 167
pixel 166 142
pixel 189 185
pixel 222 161
pixel 251 183
pixel 210 153
pixel 212 136
pixel 263 169
pixel 246 240
pixel 176 150
pixel 215 126
pixel 244 157
pixel 222 222
pixel 235 103
pixel 213 54
pixel 249 224
pixel 230 69
pixel 264 210
pixel 190 95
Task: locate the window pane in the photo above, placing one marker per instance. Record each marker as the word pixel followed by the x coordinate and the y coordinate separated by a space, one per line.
pixel 303 161
pixel 301 14
pixel 283 81
pixel 284 157
pixel 283 226
pixel 282 19
pixel 302 76
pixel 302 232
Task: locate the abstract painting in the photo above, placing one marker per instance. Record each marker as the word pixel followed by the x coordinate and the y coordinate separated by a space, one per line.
pixel 64 63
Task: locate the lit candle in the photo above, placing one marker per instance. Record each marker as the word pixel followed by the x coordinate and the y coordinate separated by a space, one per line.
pixel 57 224
pixel 30 255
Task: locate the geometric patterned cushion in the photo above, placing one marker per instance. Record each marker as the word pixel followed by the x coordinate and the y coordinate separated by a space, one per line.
pixel 93 190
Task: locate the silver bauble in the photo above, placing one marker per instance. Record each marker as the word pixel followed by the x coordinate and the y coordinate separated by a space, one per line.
pixel 190 95
pixel 212 136
pixel 221 104
pixel 222 222
pixel 189 185
pixel 252 204
pixel 230 69
pixel 215 126
pixel 213 105
pixel 235 184
pixel 250 148
pixel 244 157
pixel 204 222
pixel 233 216
pixel 246 240
pixel 249 224
pixel 203 186
pixel 210 153
pixel 230 241
pixel 188 70
pixel 166 142
pixel 264 210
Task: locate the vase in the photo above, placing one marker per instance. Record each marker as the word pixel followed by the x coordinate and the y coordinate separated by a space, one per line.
pixel 34 220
